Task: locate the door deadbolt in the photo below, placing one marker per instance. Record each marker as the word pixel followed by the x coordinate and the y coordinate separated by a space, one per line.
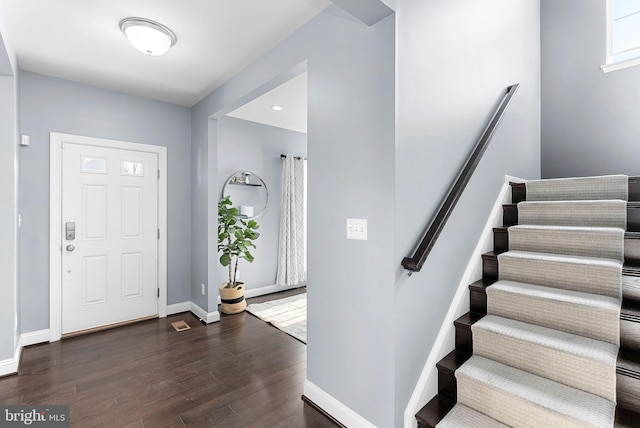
pixel 70 231
pixel 70 248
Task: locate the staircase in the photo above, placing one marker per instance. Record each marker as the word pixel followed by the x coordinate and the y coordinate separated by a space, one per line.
pixel 553 334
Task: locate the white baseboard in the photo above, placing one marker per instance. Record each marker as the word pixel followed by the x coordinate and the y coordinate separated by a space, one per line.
pixel 11 365
pixel 427 385
pixel 177 308
pixel 267 289
pixel 35 337
pixel 206 317
pixel 335 408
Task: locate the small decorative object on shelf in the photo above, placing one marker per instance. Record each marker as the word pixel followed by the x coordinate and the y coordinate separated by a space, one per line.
pixel 247 174
pixel 246 210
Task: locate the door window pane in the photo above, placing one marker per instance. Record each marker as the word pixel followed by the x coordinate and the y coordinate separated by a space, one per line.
pixel 94 165
pixel 132 168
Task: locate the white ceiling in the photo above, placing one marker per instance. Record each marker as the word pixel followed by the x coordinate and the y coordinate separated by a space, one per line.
pixel 80 40
pixel 291 96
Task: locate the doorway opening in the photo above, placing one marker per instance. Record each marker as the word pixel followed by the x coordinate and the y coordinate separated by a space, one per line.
pixel 255 137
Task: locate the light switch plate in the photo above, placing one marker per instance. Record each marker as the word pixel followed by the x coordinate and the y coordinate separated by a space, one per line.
pixel 357 229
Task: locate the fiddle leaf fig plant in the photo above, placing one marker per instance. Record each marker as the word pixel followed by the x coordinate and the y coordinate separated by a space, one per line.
pixel 235 238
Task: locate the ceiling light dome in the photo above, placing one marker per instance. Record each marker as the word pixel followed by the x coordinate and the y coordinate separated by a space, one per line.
pixel 147 36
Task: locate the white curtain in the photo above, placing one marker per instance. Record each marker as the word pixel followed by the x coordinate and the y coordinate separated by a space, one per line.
pixel 292 249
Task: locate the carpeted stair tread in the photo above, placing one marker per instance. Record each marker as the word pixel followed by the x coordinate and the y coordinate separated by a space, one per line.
pixel 577 273
pixel 559 345
pixel 462 416
pixel 605 242
pixel 605 213
pixel 579 188
pixel 550 353
pixel 585 314
pixel 518 398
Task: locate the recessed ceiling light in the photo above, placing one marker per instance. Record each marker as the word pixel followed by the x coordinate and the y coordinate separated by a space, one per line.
pixel 147 36
pixel 276 108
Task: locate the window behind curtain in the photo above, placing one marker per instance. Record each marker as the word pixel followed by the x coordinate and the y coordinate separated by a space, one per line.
pixel 623 34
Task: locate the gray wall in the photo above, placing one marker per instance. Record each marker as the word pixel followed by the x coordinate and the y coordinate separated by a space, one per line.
pixel 454 60
pixel 9 157
pixel 350 149
pixel 250 146
pixel 9 187
pixel 55 105
pixel 201 159
pixel 590 120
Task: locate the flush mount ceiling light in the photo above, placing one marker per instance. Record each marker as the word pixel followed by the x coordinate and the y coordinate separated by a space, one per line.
pixel 147 36
pixel 276 108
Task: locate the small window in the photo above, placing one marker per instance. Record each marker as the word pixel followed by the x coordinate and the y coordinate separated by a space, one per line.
pixel 623 34
pixel 94 165
pixel 132 168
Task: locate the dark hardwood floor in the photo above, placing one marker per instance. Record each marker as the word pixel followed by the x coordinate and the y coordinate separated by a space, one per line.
pixel 240 372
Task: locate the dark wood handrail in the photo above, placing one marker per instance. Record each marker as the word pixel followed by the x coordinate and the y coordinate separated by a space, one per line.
pixel 414 263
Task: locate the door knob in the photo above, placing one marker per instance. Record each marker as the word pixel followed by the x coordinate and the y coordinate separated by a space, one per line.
pixel 70 247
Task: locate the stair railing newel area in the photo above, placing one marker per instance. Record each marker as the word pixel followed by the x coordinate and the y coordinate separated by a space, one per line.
pixel 552 337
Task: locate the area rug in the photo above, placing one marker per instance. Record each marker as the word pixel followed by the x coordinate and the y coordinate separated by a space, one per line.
pixel 288 314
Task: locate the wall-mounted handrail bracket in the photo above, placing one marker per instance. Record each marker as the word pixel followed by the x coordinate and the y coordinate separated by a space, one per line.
pixel 415 262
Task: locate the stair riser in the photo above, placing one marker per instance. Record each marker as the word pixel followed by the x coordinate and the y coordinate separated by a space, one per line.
pixel 447 386
pixel 433 412
pixel 631 287
pixel 634 189
pixel 629 329
pixel 489 268
pixel 490 271
pixel 627 417
pixel 464 339
pixel 597 276
pixel 519 411
pixel 627 386
pixel 628 392
pixel 510 216
pixel 630 334
pixel 478 301
pixel 631 245
pixel 597 321
pixel 632 249
pixel 519 191
pixel 534 357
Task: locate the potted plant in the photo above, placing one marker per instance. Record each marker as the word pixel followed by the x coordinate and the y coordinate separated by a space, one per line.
pixel 235 238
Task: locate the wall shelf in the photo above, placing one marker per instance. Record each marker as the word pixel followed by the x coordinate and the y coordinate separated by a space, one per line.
pixel 245 184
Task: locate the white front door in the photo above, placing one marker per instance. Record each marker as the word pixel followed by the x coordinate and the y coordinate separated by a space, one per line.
pixel 109 236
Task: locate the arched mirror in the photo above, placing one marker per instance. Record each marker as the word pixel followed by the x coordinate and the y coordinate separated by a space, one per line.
pixel 248 192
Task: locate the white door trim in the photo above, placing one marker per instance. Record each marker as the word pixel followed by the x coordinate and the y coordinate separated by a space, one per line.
pixel 55 220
